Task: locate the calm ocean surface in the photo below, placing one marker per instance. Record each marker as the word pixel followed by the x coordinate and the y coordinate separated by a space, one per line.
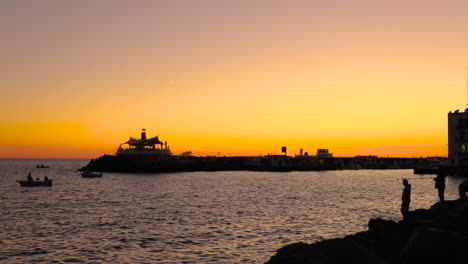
pixel 196 217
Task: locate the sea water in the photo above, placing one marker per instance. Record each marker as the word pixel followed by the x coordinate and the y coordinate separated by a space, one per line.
pixel 192 217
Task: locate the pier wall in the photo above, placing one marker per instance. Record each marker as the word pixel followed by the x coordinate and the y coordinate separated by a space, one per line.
pixel 147 163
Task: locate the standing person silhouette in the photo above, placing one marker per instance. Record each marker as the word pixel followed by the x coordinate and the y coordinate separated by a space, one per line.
pixel 405 198
pixel 440 185
pixel 463 188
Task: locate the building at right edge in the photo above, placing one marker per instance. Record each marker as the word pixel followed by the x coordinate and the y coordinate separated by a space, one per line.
pixel 458 139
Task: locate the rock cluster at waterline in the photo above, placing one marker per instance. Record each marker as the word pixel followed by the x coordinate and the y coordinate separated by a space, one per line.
pixel 437 235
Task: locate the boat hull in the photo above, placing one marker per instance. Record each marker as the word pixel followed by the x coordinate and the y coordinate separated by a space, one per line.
pixel 91 175
pixel 426 170
pixel 35 183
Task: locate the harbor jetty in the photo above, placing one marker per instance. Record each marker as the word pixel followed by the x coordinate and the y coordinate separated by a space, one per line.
pixel 175 163
pixel 435 235
pixel 150 154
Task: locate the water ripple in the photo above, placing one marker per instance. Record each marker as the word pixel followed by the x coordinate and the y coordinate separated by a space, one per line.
pixel 198 217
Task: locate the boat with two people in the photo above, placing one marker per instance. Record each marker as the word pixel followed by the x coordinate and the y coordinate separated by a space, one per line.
pixel 41 166
pixel 30 182
pixel 90 174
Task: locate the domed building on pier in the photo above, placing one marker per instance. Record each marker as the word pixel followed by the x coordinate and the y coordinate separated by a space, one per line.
pixel 144 146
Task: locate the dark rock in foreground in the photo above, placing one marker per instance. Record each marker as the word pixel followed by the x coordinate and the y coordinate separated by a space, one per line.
pixel 437 235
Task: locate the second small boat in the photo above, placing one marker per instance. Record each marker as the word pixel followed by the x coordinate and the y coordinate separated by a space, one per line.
pixel 90 174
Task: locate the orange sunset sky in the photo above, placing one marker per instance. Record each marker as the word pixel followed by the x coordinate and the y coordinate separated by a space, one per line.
pixel 359 77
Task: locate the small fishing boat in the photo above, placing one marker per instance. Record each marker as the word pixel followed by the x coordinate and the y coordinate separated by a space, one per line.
pixel 90 174
pixel 33 183
pixel 41 166
pixel 426 170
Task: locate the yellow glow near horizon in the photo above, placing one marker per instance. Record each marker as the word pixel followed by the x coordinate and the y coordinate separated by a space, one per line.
pixel 241 79
pixel 70 141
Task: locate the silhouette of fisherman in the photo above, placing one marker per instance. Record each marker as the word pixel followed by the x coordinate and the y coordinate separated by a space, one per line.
pixel 463 188
pixel 30 177
pixel 440 185
pixel 405 198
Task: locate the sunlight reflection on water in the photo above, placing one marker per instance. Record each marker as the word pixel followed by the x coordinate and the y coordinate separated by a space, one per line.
pixel 198 217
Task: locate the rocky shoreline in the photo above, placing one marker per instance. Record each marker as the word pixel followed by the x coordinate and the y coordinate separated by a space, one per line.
pixel 435 235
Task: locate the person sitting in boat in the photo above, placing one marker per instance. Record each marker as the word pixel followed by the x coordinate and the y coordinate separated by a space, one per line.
pixel 46 179
pixel 30 177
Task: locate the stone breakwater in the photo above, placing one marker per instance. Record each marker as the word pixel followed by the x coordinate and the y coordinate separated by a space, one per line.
pixel 148 163
pixel 436 235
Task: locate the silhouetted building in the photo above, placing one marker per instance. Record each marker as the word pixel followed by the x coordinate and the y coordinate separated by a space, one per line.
pixel 144 146
pixel 323 153
pixel 458 138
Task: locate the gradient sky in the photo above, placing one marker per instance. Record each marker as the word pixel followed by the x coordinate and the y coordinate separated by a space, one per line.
pixel 77 78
